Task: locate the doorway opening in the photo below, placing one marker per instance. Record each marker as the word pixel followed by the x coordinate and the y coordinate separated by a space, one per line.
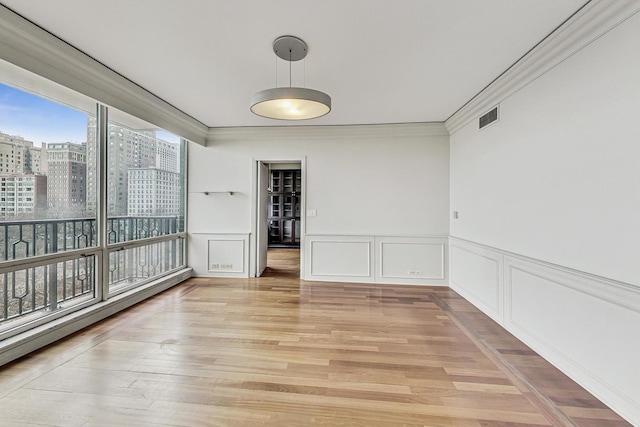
pixel 279 221
pixel 283 262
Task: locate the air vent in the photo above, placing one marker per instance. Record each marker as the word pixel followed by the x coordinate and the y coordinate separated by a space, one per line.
pixel 488 118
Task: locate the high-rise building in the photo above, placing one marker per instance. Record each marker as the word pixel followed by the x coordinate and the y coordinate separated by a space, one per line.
pixel 66 178
pixel 22 195
pixel 23 187
pixel 167 155
pixel 12 153
pixel 36 160
pixel 17 155
pixel 126 149
pixel 153 192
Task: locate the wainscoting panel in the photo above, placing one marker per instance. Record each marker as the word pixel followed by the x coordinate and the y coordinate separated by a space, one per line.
pixel 476 274
pixel 377 259
pixel 219 255
pixel 411 260
pixel 340 258
pixel 587 326
pixel 587 331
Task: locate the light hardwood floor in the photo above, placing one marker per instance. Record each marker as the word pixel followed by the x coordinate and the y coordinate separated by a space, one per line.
pixel 278 351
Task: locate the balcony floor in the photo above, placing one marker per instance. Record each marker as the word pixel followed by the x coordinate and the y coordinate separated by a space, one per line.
pixel 284 352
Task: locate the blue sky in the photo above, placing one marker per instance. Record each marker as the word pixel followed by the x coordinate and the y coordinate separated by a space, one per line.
pixel 39 120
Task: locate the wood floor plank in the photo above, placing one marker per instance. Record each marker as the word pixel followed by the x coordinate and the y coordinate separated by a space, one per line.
pixel 278 351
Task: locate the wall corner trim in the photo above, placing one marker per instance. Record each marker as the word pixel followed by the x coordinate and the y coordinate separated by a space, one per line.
pixel 278 133
pixel 592 21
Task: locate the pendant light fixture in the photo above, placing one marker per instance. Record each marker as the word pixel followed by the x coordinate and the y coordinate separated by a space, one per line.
pixel 290 103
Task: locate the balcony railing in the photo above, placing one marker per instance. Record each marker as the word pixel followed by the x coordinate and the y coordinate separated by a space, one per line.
pixel 22 239
pixel 47 286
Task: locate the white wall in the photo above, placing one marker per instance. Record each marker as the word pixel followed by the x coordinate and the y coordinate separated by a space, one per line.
pixel 383 180
pixel 557 178
pixel 548 236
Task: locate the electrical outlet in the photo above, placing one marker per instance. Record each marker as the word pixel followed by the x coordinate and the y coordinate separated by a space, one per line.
pixel 226 266
pixel 414 272
pixel 455 215
pixel 215 266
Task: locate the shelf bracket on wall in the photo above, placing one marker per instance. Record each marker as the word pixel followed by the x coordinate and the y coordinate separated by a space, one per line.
pixel 206 193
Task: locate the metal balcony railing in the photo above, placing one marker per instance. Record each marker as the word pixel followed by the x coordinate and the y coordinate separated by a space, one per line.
pixel 46 287
pixel 22 239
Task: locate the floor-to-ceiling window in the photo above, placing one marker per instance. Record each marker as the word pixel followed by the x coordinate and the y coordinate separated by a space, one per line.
pixel 145 201
pixel 92 201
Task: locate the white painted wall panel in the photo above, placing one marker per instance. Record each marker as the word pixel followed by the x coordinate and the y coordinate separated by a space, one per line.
pixel 583 324
pixel 340 258
pixel 476 274
pixel 404 260
pixel 219 255
pixel 591 337
pixel 411 260
pixel 226 256
pixel 377 259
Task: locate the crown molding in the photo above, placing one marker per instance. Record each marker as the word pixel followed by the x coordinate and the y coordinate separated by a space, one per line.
pixel 28 46
pixel 369 131
pixel 588 24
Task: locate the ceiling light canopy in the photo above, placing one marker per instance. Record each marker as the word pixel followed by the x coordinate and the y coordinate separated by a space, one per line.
pixel 290 103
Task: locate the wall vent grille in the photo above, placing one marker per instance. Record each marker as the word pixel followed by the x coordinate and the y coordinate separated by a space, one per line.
pixel 490 117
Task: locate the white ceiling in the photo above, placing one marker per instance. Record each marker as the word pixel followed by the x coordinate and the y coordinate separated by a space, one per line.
pixel 381 61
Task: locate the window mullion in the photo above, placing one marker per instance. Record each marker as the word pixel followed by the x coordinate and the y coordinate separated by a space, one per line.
pixel 102 133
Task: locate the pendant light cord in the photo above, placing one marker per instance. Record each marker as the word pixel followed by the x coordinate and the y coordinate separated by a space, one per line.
pixel 289 67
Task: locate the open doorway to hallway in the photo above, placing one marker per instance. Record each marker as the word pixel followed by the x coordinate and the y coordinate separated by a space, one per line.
pixel 279 220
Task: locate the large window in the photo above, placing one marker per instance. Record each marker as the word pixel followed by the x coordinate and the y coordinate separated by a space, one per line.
pixel 44 223
pixel 91 201
pixel 145 201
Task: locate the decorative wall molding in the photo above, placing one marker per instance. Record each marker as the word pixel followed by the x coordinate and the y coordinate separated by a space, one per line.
pixel 278 133
pixel 485 266
pixel 219 254
pixel 226 256
pixel 579 322
pixel 412 260
pixel 622 294
pixel 593 20
pixel 617 291
pixel 30 47
pixel 339 258
pixel 583 334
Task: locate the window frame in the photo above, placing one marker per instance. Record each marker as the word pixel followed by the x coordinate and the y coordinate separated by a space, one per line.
pixel 103 250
